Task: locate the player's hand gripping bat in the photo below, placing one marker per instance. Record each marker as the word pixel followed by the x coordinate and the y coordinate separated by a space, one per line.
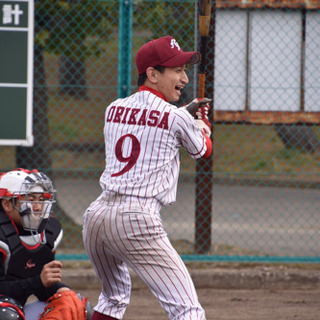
pixel 195 104
pixel 204 24
pixel 199 107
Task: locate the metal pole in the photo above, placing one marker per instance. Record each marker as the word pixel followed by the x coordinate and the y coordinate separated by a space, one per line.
pixel 125 48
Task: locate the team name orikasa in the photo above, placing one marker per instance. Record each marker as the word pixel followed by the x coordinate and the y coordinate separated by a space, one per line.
pixel 134 116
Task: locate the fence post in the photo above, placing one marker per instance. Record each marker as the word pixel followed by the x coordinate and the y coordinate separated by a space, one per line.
pixel 204 167
pixel 125 48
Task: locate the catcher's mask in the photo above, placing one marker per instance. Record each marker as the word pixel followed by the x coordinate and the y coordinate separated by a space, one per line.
pixel 33 196
pixel 10 309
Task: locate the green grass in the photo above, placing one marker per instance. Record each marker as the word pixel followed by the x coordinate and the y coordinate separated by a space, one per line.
pixel 257 151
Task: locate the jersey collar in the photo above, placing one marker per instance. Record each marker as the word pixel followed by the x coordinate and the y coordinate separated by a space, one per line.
pixel 156 92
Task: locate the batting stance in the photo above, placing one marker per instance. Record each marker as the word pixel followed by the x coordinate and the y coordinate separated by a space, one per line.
pixel 122 227
pixel 29 237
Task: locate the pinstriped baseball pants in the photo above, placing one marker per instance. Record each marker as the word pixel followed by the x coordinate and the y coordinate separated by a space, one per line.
pixel 119 234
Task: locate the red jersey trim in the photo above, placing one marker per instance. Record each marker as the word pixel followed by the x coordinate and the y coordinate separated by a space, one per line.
pixel 209 146
pixel 4 255
pixel 12 222
pixel 156 92
pixel 34 246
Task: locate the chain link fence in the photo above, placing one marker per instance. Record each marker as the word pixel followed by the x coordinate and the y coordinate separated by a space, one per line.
pixel 263 71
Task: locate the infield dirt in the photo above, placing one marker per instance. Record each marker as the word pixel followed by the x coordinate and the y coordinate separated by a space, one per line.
pixel 255 292
pixel 232 304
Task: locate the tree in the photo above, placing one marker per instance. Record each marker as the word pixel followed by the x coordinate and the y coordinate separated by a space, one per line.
pixel 73 30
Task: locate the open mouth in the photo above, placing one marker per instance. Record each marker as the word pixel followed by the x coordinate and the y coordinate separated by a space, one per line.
pixel 179 88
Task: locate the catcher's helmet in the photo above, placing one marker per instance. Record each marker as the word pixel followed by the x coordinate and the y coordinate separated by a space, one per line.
pixel 20 182
pixel 10 309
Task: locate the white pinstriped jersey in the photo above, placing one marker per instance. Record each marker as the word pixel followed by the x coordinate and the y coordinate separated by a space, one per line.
pixel 143 134
pixel 123 228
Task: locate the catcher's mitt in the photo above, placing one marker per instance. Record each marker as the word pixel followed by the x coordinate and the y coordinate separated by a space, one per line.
pixel 66 305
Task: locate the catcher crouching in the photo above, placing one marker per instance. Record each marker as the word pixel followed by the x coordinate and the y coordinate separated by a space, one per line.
pixel 29 237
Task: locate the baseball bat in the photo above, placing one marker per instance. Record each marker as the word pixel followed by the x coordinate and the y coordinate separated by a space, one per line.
pixel 204 24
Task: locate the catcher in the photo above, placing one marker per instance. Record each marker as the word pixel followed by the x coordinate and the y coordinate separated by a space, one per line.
pixel 29 237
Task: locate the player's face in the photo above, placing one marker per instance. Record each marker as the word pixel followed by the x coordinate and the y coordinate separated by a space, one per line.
pixel 171 82
pixel 36 200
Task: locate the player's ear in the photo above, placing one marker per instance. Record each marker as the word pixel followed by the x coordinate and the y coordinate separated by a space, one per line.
pixel 152 75
pixel 6 204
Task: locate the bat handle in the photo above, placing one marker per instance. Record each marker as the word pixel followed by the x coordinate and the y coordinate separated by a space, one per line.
pixel 202 81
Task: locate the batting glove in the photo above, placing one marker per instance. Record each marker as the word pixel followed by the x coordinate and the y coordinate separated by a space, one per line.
pixel 199 109
pixel 195 104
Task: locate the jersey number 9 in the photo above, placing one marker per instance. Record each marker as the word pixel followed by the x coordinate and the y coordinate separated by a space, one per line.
pixel 132 158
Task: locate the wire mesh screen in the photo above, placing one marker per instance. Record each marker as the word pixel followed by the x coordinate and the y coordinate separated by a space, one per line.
pixel 263 71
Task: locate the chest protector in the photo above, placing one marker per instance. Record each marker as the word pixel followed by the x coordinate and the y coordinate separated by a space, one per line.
pixel 26 262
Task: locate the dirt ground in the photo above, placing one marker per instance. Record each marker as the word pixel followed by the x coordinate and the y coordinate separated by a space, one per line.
pixel 222 304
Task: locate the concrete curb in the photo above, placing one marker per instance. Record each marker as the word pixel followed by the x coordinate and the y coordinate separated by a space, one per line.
pixel 244 278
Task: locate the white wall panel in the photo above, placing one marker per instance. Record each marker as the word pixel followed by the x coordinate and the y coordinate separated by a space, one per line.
pixel 230 55
pixel 312 71
pixel 275 61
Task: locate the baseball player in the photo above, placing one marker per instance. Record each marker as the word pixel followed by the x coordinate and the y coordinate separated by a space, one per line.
pixel 122 227
pixel 28 240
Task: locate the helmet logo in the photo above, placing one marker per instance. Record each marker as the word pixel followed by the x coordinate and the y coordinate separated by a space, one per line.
pixel 29 265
